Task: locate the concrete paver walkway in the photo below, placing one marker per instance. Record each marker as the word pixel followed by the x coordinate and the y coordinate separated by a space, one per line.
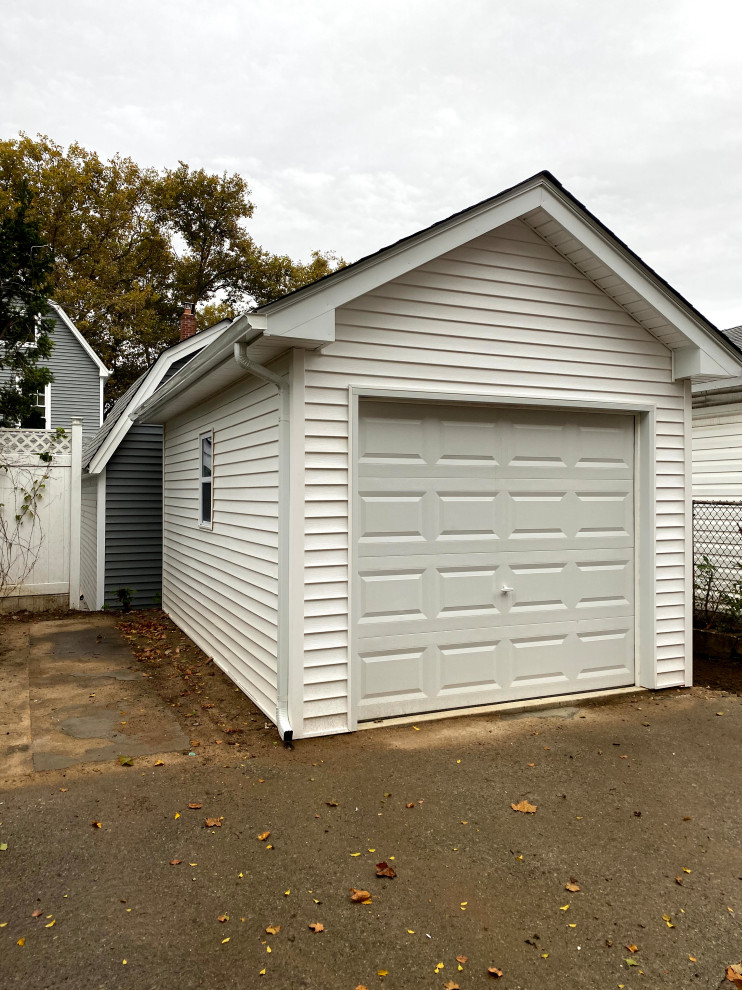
pixel 72 694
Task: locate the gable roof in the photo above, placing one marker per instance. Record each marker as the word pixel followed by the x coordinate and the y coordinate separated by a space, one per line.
pixel 102 445
pixel 102 369
pixel 306 316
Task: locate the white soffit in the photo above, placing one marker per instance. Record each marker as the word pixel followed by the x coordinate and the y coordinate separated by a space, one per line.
pixel 678 331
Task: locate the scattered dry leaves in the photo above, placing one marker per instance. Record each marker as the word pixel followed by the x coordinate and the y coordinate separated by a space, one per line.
pixel 223 918
pixel 332 804
pixel 317 926
pixel 194 806
pixel 37 913
pixel 96 825
pixel 572 886
pixel 525 807
pixel 632 948
pixel 385 870
pixel 360 896
pixel 263 836
pixel 213 823
pixel 734 974
pixel 461 959
pixel 494 972
pixel 273 929
pixel 450 985
pixel 175 862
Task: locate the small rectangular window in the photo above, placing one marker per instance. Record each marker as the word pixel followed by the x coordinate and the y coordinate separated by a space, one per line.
pixel 206 442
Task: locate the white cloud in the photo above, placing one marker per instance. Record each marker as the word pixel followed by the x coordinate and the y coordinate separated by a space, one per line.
pixel 356 124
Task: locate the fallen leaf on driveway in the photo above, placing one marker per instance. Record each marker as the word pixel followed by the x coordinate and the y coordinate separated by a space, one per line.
pixel 734 974
pixel 96 825
pixel 224 941
pixel 360 896
pixel 451 986
pixel 385 870
pixel 410 805
pixel 159 763
pixel 175 862
pixel 317 926
pixel 385 972
pixel 213 823
pixel 331 804
pixel 666 919
pixel 51 924
pixel 21 941
pixel 37 913
pixel 632 948
pixel 126 761
pixel 573 887
pixel 494 971
pixel 273 929
pixel 525 807
pixel 223 918
pixel 263 836
pixel 679 881
pixel 631 962
pixel 361 987
pixel 461 959
pixel 194 806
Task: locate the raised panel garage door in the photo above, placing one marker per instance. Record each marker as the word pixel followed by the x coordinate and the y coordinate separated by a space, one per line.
pixel 495 555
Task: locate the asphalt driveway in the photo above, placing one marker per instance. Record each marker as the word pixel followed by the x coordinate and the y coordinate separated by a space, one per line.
pixel 637 803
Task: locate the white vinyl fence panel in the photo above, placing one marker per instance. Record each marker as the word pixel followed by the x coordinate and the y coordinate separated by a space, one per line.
pixel 37 523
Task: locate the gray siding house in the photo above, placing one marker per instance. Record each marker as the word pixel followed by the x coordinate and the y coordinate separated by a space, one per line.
pixel 121 524
pixel 79 377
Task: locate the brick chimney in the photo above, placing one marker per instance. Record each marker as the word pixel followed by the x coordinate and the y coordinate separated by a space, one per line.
pixel 187 322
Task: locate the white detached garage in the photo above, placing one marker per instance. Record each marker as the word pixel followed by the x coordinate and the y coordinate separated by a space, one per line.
pixel 452 474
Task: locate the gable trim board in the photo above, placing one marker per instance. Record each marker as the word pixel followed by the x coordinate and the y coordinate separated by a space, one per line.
pixel 503 320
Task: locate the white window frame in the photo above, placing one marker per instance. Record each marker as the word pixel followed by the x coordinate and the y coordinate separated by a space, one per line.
pixel 204 480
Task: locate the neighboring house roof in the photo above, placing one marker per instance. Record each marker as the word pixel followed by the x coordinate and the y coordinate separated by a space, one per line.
pixel 306 316
pixel 735 335
pixel 103 370
pixel 102 445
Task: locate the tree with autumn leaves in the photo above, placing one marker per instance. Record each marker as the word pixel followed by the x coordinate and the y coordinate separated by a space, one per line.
pixel 131 244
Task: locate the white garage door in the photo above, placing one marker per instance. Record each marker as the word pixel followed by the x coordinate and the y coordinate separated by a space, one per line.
pixel 495 555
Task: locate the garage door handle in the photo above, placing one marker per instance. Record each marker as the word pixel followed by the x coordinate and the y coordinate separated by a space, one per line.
pixel 505 590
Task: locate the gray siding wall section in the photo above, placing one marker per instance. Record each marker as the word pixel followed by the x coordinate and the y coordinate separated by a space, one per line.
pixel 134 517
pixel 89 540
pixel 76 385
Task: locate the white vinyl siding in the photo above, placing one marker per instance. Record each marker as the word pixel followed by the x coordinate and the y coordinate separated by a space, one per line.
pixel 89 540
pixel 220 584
pixel 503 315
pixel 717 452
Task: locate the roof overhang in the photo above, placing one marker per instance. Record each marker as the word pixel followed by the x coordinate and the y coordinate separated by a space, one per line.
pixel 306 317
pixel 157 372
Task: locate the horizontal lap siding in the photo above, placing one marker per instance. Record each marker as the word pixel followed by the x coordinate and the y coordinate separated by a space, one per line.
pixel 717 452
pixel 221 585
pixel 134 518
pixel 505 314
pixel 76 385
pixel 89 540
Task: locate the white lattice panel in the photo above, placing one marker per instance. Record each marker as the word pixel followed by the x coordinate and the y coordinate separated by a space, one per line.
pixel 18 446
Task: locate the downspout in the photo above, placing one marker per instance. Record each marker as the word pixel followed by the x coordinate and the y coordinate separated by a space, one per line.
pixel 282 658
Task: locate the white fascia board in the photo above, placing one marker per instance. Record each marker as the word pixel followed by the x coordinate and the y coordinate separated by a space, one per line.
pixel 219 351
pixel 102 369
pixel 312 305
pixel 611 253
pixel 157 372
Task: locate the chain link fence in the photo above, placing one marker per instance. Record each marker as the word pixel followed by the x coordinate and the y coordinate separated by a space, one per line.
pixel 717 562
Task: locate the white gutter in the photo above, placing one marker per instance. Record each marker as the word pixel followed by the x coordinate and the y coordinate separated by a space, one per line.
pixel 284 503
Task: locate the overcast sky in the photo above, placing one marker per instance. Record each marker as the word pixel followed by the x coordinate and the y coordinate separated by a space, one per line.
pixel 358 123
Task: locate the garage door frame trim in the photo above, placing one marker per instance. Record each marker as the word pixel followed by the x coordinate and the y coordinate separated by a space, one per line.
pixel 644 507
